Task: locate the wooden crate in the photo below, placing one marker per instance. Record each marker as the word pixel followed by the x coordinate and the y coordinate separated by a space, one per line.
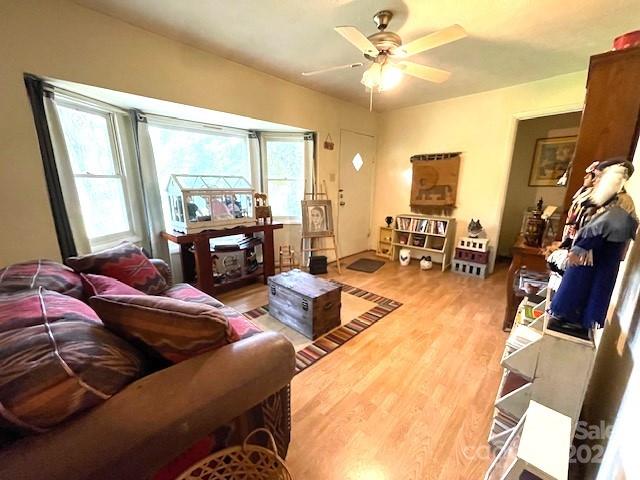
pixel 308 304
pixel 472 256
pixel 468 268
pixel 476 244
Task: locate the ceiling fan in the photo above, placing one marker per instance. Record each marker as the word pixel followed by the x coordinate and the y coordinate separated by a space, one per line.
pixel 387 53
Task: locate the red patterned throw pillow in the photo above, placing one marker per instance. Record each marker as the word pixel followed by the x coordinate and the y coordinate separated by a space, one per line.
pixel 103 285
pixel 240 327
pixel 40 273
pixel 174 329
pixel 30 307
pixel 57 360
pixel 189 293
pixel 125 262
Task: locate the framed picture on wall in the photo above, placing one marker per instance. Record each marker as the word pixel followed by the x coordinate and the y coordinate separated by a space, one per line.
pixel 317 219
pixel 551 159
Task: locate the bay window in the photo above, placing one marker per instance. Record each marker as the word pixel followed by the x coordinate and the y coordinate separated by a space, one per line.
pixel 285 172
pixel 97 173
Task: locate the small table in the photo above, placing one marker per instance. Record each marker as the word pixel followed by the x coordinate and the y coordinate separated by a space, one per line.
pixel 202 271
pixel 523 256
pixel 308 304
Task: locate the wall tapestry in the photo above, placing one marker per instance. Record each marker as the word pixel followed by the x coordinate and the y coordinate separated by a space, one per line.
pixel 435 179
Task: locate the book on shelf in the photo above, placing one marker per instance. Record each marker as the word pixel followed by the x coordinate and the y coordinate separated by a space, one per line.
pixel 403 238
pixel 418 240
pixel 403 223
pixel 437 243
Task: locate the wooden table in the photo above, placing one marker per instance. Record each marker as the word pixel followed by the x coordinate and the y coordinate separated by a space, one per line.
pixel 523 256
pixel 198 267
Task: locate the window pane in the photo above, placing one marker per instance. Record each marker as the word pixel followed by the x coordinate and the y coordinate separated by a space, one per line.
pixel 285 196
pixel 190 152
pixel 103 206
pixel 86 135
pixel 286 159
pixel 285 167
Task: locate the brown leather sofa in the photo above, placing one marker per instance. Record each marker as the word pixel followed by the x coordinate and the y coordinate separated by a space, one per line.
pixel 146 425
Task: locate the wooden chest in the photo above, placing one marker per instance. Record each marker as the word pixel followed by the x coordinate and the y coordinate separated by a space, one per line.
pixel 308 304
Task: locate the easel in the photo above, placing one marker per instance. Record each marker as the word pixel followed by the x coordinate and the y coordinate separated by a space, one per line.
pixel 310 249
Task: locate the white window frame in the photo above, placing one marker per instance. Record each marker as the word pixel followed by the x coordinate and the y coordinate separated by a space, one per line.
pixel 266 137
pixel 124 163
pixel 190 126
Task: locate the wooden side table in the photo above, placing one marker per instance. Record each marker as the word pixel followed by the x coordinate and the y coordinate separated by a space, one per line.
pixel 202 270
pixel 523 256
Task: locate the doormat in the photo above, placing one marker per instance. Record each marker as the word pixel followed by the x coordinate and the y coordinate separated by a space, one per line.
pixel 372 307
pixel 367 265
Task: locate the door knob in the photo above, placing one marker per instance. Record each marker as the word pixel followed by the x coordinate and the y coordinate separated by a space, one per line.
pixel 342 204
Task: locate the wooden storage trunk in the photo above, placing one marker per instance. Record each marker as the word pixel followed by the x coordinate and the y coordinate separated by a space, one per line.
pixel 308 304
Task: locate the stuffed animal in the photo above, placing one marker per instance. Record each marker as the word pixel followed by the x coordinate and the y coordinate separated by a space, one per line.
pixel 475 229
pixel 404 257
pixel 263 211
pixel 426 263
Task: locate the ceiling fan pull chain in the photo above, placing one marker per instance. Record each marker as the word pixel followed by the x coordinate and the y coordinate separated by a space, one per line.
pixel 370 99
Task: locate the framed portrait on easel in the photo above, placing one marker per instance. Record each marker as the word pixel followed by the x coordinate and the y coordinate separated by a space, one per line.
pixel 317 218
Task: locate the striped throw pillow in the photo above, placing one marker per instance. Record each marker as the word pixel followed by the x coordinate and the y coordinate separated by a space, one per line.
pixel 57 361
pixel 40 273
pixel 174 329
pixel 125 262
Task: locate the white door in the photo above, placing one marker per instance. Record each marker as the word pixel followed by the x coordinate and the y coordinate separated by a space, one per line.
pixel 355 183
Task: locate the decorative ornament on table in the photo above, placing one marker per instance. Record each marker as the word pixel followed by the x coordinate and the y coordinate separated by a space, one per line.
pixel 535 227
pixel 475 229
pixel 263 211
pixel 426 263
pixel 404 256
pixel 389 220
pixel 593 261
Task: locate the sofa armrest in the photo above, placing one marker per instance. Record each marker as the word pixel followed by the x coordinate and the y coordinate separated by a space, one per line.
pixel 147 424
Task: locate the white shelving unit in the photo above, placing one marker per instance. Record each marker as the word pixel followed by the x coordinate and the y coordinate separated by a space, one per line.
pixel 543 365
pixel 425 235
pixel 537 447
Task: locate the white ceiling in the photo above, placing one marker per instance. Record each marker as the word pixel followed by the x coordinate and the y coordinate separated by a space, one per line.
pixel 510 41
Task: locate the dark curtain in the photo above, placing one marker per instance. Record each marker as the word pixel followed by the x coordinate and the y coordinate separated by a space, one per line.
pixel 36 92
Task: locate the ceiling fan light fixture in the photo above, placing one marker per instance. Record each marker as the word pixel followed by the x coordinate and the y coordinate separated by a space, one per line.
pixel 371 76
pixel 390 77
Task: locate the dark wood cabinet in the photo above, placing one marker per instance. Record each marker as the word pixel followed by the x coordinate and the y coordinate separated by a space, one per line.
pixel 609 128
pixel 611 115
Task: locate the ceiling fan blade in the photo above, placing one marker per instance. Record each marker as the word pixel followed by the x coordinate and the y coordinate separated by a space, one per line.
pixel 423 72
pixel 358 39
pixel 332 69
pixel 433 40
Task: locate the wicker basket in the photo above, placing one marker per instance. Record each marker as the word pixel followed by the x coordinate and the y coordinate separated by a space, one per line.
pixel 246 462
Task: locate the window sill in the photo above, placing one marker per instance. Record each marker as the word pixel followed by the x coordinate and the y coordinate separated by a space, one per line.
pixel 287 220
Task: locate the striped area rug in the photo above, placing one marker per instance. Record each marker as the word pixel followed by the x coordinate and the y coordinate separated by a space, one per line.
pixel 342 334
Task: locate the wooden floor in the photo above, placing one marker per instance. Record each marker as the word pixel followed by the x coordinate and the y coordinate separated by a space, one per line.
pixel 412 396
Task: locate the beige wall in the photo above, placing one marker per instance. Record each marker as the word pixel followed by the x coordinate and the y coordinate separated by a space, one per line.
pixel 520 195
pixel 59 39
pixel 482 126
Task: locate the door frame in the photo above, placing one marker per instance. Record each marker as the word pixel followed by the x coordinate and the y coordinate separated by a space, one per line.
pixel 371 180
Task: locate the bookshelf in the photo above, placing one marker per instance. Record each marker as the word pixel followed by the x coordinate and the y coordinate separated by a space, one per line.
pixel 384 247
pixel 538 447
pixel 540 364
pixel 424 235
